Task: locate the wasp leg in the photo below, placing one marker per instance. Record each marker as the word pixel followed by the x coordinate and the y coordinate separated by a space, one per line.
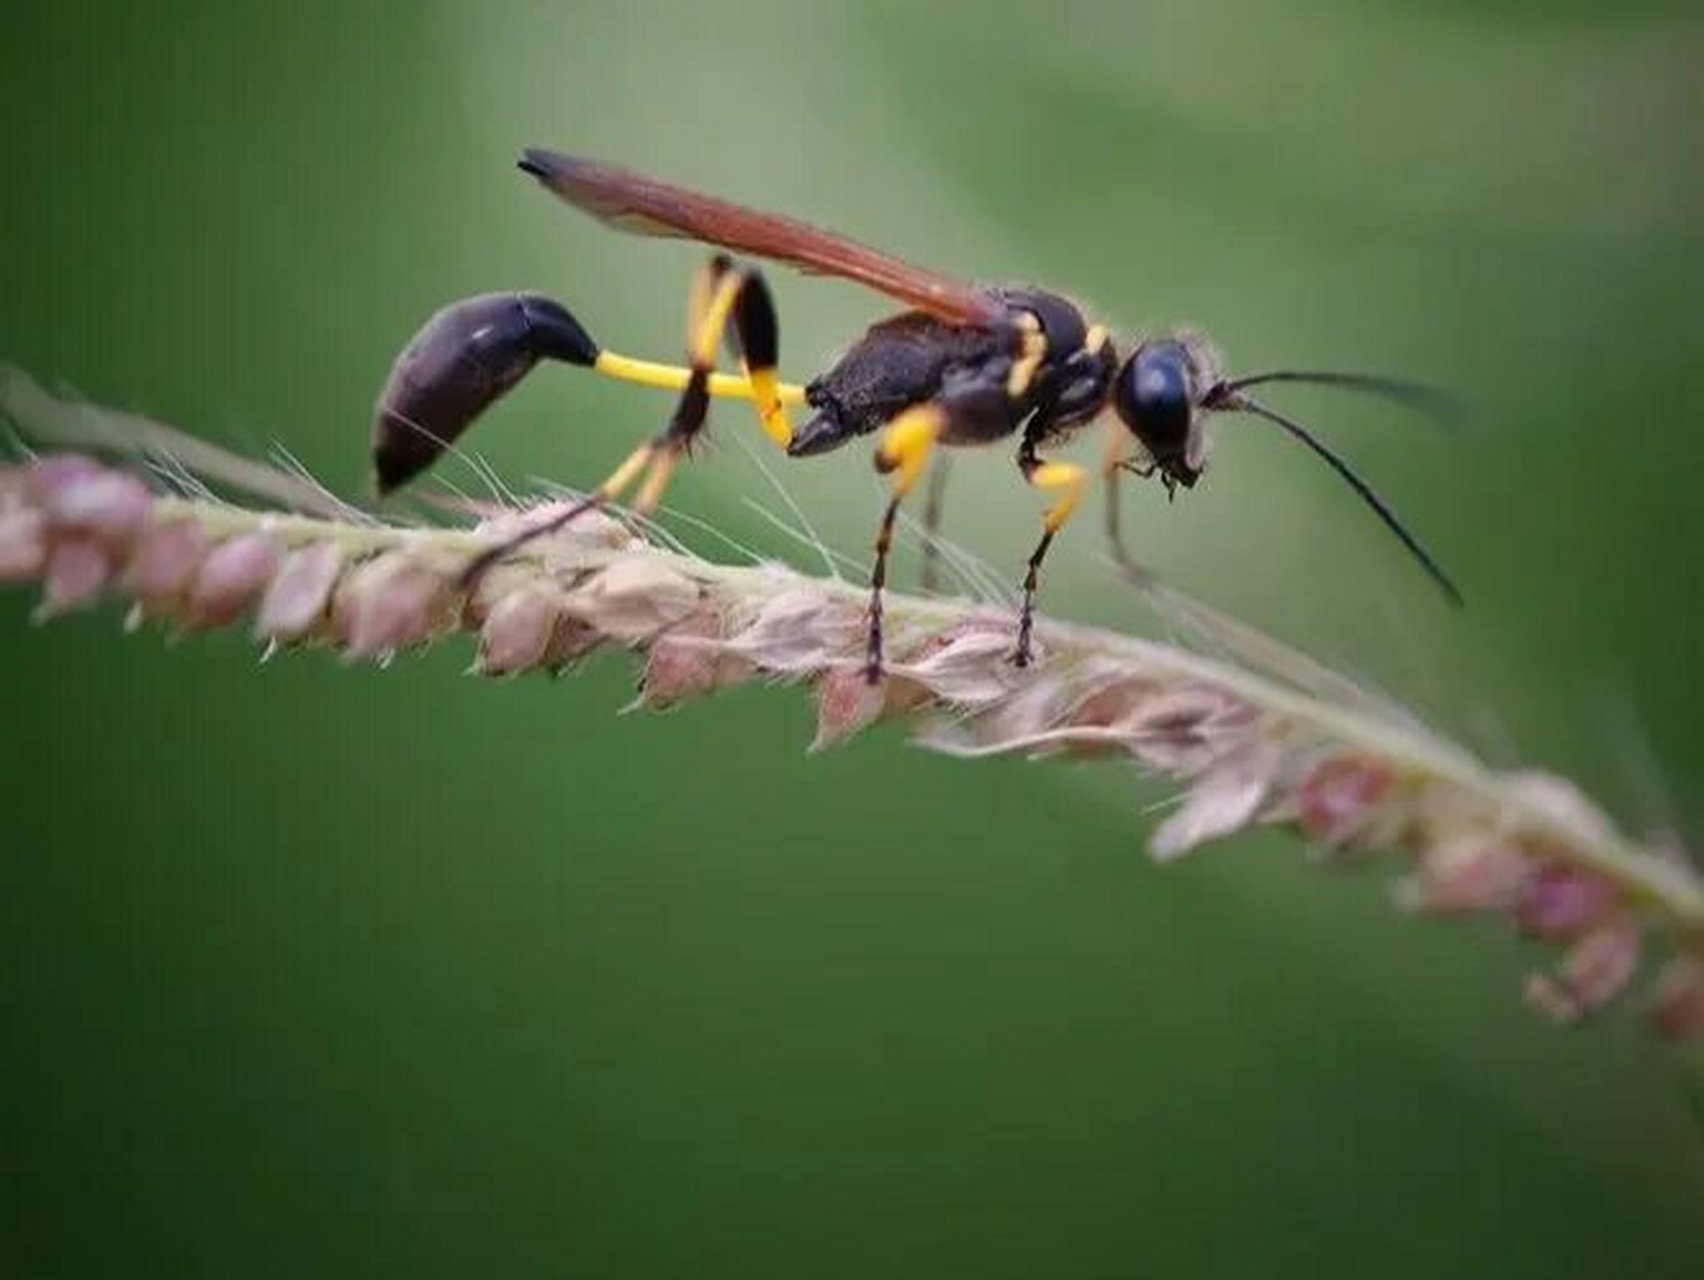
pixel 721 294
pixel 929 578
pixel 757 332
pixel 674 377
pixel 1116 461
pixel 724 293
pixel 903 453
pixel 619 480
pixel 1070 480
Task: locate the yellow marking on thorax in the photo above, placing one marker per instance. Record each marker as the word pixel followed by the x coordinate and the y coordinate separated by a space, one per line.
pixel 1029 360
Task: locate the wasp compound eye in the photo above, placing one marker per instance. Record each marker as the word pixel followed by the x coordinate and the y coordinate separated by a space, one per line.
pixel 464 359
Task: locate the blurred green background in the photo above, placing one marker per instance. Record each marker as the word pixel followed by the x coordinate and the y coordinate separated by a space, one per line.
pixel 312 971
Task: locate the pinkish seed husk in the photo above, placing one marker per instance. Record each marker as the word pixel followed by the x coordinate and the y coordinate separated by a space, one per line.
pixel 1595 971
pixel 75 574
pixel 1340 797
pixel 396 600
pixel 1222 801
pixel 105 504
pixel 23 544
pixel 1184 732
pixel 230 579
pixel 1111 702
pixel 1031 715
pixel 590 525
pixel 517 631
pixel 47 476
pixel 389 603
pixel 16 488
pixel 790 632
pixel 686 662
pixel 1560 901
pixel 571 641
pixel 1467 873
pixel 633 599
pixel 165 561
pixel 296 600
pixel 1599 966
pixel 968 664
pixel 846 702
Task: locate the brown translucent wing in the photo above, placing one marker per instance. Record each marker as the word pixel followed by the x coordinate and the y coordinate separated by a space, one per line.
pixel 633 202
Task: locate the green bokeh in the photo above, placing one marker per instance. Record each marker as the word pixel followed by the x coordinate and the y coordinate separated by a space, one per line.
pixel 311 971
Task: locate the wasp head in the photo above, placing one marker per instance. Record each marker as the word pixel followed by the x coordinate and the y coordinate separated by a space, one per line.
pixel 1161 394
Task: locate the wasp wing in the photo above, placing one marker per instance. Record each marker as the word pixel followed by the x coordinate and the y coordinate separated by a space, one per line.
pixel 646 206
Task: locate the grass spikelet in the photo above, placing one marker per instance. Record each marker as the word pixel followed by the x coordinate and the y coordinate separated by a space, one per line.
pixel 1246 745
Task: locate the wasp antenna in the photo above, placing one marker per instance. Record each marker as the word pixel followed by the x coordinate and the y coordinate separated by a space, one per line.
pixel 1243 404
pixel 1434 402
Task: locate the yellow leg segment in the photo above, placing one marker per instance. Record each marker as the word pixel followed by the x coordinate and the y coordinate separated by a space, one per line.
pixel 618 482
pixel 716 298
pixel 906 444
pixel 1071 480
pixel 623 476
pixel 766 389
pixel 708 325
pixel 662 470
pixel 1067 476
pixel 716 292
pixel 674 377
pixel 902 454
pixel 1113 462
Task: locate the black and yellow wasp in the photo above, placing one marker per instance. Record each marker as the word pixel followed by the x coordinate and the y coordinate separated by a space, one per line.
pixel 965 365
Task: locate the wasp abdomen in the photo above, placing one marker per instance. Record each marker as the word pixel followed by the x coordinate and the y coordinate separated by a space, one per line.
pixel 464 359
